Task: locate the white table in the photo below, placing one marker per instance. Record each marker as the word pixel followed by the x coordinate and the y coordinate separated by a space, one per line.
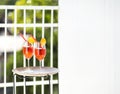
pixel 34 72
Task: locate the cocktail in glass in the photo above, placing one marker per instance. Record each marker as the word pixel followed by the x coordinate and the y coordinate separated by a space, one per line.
pixel 40 52
pixel 28 51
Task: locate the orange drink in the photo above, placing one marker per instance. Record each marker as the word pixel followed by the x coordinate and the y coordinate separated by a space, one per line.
pixel 40 53
pixel 28 51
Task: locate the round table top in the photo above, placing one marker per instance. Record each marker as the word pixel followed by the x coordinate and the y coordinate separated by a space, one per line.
pixel 35 71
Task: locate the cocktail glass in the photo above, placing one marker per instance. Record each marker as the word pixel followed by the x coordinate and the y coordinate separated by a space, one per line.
pixel 40 52
pixel 28 51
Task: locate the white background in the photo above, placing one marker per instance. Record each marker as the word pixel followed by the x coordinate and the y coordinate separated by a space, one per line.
pixel 89 46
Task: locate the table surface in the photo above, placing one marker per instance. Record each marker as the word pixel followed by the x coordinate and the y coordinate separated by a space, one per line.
pixel 35 71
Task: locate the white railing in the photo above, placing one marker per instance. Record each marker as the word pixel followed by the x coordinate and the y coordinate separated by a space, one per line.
pixel 4 84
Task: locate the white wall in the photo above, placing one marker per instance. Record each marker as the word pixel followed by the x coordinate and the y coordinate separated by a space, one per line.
pixel 88 60
pixel 117 46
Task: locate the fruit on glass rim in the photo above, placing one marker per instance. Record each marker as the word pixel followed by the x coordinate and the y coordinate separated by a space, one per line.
pixel 31 40
pixel 43 41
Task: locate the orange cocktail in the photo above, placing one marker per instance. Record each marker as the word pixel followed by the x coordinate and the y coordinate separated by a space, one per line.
pixel 28 47
pixel 40 50
pixel 40 53
pixel 28 51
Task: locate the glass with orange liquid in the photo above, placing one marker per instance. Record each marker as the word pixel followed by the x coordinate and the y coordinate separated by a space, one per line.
pixel 28 51
pixel 40 52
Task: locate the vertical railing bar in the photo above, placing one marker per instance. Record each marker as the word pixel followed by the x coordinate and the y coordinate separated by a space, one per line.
pixel 24 33
pixel 51 39
pixel 51 52
pixel 5 53
pixel 43 29
pixel 43 21
pixel 58 50
pixel 34 31
pixel 58 35
pixel 15 22
pixel 42 86
pixel 43 34
pixel 34 59
pixel 24 62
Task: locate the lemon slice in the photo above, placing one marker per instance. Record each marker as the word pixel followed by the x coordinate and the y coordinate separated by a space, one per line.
pixel 31 40
pixel 43 41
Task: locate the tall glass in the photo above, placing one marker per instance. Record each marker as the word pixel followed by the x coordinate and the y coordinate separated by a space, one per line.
pixel 40 52
pixel 27 51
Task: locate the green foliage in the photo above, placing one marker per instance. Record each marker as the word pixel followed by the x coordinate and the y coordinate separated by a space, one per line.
pixel 7 2
pixel 29 2
pixel 37 2
pixel 20 2
pixel 2 13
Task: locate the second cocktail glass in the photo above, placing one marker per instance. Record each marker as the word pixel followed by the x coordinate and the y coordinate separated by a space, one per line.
pixel 40 52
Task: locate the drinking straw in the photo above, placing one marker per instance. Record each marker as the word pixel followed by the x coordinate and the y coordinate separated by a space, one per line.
pixel 23 37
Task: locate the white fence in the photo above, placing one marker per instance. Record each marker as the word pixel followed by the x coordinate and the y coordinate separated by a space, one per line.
pixel 6 86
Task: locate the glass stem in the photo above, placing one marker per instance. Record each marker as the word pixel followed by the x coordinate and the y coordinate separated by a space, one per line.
pixel 28 62
pixel 40 63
